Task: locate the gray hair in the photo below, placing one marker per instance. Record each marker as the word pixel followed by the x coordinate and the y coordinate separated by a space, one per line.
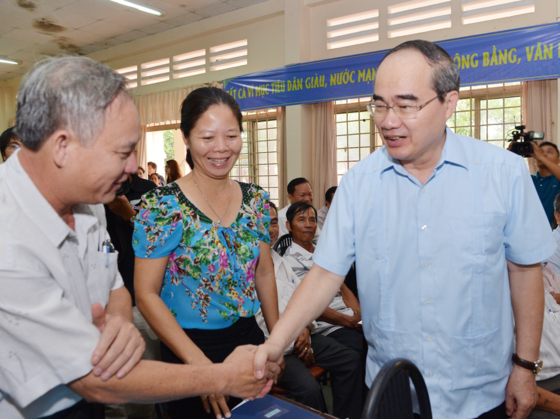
pixel 445 74
pixel 65 92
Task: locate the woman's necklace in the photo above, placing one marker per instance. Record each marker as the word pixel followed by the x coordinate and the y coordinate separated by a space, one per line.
pixel 219 223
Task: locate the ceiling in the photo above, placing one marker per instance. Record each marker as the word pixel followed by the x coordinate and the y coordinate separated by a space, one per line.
pixel 30 29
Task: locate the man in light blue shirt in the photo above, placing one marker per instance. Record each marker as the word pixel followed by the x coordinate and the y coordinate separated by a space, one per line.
pixel 447 233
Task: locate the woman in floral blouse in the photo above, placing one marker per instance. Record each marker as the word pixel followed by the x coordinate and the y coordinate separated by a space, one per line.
pixel 203 251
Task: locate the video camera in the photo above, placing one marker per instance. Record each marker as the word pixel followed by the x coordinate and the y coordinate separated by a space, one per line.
pixel 524 148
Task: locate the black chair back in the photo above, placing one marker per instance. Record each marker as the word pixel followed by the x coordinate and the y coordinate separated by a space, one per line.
pixel 282 244
pixel 390 395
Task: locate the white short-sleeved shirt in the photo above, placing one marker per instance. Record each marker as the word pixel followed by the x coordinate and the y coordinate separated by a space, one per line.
pixel 301 261
pixel 50 276
pixel 550 352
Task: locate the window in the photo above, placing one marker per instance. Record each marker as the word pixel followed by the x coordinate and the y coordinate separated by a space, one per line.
pixel 229 55
pixel 355 29
pixel 488 113
pixel 356 134
pixel 258 161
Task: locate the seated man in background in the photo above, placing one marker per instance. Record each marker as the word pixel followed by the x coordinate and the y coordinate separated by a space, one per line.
pixel 9 143
pixel 66 327
pixel 322 213
pixel 546 179
pixel 152 169
pixel 299 190
pixel 342 320
pixel 344 364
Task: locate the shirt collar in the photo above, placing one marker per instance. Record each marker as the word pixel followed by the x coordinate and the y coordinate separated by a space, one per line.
pixel 452 153
pixel 297 248
pixel 34 205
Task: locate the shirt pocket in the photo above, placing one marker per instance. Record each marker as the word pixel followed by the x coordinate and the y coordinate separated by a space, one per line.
pixel 474 361
pixel 103 271
pixel 387 344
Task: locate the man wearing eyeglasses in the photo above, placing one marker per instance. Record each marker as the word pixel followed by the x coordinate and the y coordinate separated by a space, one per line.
pixel 447 234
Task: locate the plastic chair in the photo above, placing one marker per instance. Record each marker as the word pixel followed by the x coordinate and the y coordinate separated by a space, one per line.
pixel 390 395
pixel 282 244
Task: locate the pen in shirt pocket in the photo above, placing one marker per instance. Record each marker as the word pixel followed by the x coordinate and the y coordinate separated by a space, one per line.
pixel 107 247
pixel 553 315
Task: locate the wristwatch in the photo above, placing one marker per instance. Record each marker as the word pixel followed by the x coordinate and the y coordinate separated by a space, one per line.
pixel 535 367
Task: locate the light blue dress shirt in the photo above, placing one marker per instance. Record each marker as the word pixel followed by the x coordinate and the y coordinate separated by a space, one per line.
pixel 431 265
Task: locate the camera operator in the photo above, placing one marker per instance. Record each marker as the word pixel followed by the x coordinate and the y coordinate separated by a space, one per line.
pixel 547 179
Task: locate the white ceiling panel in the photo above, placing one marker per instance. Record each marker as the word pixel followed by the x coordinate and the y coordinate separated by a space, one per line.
pixel 215 10
pixel 95 9
pixel 104 28
pixel 132 20
pixel 185 19
pixel 194 5
pixel 158 27
pixel 131 36
pixel 82 37
pixel 243 3
pixel 27 36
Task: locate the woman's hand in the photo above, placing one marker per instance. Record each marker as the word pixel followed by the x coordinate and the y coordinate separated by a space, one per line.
pixel 213 402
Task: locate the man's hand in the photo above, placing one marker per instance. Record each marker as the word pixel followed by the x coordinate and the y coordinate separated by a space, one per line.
pixel 302 348
pixel 537 152
pixel 216 402
pixel 266 353
pixel 121 206
pixel 120 347
pixel 245 384
pixel 556 296
pixel 521 393
pixel 353 322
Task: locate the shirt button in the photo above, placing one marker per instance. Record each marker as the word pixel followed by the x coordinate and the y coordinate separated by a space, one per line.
pixel 476 162
pixel 429 337
pixel 426 264
pixel 427 302
pixel 424 227
pixel 431 374
pixel 423 190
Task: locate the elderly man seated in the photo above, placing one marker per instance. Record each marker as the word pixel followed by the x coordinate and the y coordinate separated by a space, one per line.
pixel 344 364
pixel 342 319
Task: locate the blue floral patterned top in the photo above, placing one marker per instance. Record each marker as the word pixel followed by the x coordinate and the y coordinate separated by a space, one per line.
pixel 210 277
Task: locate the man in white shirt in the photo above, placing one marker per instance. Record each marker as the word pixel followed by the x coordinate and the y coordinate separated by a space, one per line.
pixel 343 364
pixel 322 213
pixel 342 320
pixel 65 317
pixel 299 190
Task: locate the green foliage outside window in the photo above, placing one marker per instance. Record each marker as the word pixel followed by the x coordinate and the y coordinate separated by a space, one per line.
pixel 168 145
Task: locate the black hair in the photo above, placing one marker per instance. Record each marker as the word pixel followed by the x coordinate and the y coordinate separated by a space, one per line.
pixel 557 203
pixel 298 208
pixel 294 182
pixel 445 74
pixel 5 138
pixel 330 193
pixel 153 165
pixel 273 206
pixel 551 145
pixel 197 102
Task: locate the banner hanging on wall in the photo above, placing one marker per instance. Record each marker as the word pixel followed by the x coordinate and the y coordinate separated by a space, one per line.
pixel 501 57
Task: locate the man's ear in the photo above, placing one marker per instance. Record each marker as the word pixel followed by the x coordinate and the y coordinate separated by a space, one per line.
pixel 451 99
pixel 62 144
pixel 288 226
pixel 290 198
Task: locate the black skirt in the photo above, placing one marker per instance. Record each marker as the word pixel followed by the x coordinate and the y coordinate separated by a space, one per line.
pixel 216 345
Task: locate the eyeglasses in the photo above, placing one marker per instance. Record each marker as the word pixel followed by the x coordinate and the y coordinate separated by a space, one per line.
pixel 403 111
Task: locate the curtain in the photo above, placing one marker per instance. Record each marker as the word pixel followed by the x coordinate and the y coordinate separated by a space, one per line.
pixel 141 150
pixel 158 108
pixel 282 157
pixel 540 110
pixel 323 150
